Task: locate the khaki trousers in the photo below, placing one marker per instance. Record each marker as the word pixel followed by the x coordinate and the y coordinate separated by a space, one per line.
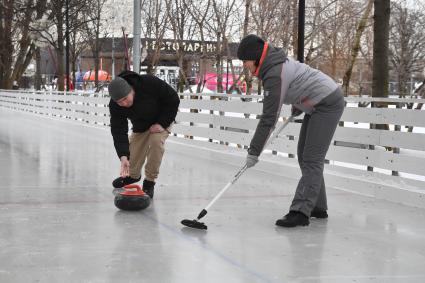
pixel 147 147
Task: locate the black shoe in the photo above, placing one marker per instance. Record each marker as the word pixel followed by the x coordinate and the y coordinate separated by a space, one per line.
pixel 148 187
pixel 121 182
pixel 293 219
pixel 319 213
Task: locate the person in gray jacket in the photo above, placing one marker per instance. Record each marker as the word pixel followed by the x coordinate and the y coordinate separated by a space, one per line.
pixel 308 90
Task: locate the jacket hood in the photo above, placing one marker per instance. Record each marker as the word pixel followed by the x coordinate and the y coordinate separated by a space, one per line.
pixel 275 56
pixel 129 75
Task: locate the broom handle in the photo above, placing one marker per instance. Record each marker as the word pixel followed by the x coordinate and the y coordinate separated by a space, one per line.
pixel 243 169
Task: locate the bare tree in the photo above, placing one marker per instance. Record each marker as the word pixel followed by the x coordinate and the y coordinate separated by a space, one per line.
pixel 94 31
pixel 247 76
pixel 356 46
pixel 264 14
pixel 17 46
pixel 407 44
pixel 78 43
pixel 200 15
pixel 183 26
pixel 56 37
pixel 225 14
pixel 337 35
pixel 225 27
pixel 294 12
pixel 54 31
pixel 155 19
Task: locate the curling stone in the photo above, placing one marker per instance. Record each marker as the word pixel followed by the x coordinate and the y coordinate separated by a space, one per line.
pixel 132 198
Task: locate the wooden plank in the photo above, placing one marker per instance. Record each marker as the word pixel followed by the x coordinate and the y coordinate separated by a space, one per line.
pixel 352 99
pixel 375 158
pixel 226 135
pixel 225 106
pixel 406 117
pixel 404 140
pixel 225 121
pixel 105 95
pixel 69 105
pixel 364 115
pixel 82 107
pixel 212 133
pixel 101 101
pixel 378 158
pixel 221 95
pixel 381 138
pixel 354 135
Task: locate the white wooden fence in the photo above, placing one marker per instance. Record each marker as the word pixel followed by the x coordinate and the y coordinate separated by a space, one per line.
pixel 228 122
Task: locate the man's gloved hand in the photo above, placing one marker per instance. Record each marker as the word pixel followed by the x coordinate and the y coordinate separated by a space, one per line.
pixel 251 160
pixel 295 111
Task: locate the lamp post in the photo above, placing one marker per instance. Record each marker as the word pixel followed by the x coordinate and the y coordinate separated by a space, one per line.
pixel 113 41
pixel 136 36
pixel 300 42
pixel 301 27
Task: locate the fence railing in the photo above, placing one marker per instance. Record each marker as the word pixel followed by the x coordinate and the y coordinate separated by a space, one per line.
pixel 230 120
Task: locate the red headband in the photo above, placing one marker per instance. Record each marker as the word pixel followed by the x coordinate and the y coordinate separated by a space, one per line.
pixel 263 56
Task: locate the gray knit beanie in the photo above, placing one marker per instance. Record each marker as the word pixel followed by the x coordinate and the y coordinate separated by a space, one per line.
pixel 118 88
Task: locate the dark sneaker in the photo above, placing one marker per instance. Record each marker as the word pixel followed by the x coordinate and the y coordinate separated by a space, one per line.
pixel 148 187
pixel 318 213
pixel 293 219
pixel 121 182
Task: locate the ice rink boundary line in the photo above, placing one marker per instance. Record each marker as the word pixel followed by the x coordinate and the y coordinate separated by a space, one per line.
pixel 206 247
pixel 362 277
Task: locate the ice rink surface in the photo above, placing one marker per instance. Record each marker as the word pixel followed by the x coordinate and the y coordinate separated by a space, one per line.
pixel 59 224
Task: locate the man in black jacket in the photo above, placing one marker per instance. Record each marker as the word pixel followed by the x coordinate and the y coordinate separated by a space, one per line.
pixel 151 106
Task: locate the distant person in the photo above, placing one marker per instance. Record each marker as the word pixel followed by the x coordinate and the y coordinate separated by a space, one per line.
pixel 308 90
pixel 55 82
pixel 151 106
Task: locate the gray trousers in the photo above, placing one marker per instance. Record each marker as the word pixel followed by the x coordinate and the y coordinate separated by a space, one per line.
pixel 315 137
